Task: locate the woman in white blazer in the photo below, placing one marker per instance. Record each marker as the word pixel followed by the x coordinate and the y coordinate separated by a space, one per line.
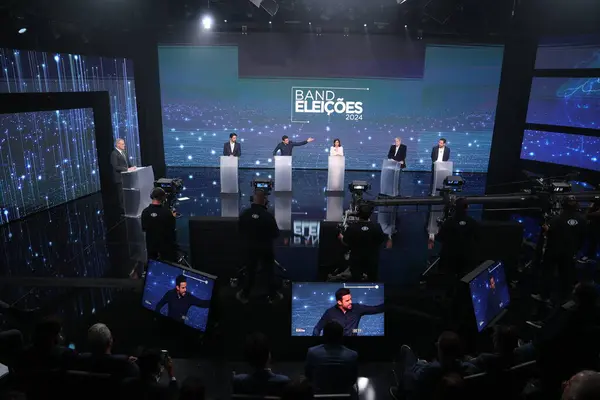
pixel 336 149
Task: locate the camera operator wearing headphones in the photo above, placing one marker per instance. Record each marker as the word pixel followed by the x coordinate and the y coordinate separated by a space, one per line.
pixel 458 235
pixel 565 234
pixel 159 223
pixel 364 239
pixel 258 230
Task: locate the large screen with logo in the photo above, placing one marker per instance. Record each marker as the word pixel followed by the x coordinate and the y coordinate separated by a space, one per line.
pixel 365 91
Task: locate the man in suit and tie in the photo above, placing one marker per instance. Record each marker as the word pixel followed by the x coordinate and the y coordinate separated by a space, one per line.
pixel 398 153
pixel 441 152
pixel 120 163
pixel 232 148
pixel 332 367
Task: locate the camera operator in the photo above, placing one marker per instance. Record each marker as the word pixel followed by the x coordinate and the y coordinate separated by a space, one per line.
pixel 159 223
pixel 457 236
pixel 565 234
pixel 258 230
pixel 364 239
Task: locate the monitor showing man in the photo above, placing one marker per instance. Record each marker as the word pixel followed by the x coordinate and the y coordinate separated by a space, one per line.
pixel 179 301
pixel 398 152
pixel 441 152
pixel 232 148
pixel 286 146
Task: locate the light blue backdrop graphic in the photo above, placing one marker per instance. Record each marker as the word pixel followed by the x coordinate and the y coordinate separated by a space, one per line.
pixel 205 99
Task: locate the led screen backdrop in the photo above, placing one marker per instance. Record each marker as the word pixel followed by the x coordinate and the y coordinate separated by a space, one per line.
pixel 568 56
pixel 47 158
pixel 560 148
pixel 364 92
pixel 571 102
pixel 32 71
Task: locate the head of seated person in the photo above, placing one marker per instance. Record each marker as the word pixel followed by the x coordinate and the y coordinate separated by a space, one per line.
pixel 333 333
pixel 506 340
pixel 585 295
pixel 257 352
pixel 300 389
pixel 584 385
pixel 192 388
pixel 47 335
pixel 449 349
pixel 100 340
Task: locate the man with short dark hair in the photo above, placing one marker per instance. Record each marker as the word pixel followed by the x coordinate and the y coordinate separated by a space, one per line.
pixel 286 146
pixel 232 148
pixel 346 314
pixel 160 226
pixel 261 381
pixel 441 152
pixel 47 350
pixel 179 301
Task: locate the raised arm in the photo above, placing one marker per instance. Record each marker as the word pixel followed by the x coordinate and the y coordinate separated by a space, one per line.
pixel 195 301
pixel 277 148
pixel 162 302
pixel 302 143
pixel 370 310
pixel 320 325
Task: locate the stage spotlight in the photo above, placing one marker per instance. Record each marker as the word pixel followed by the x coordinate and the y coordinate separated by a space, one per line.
pixel 270 6
pixel 22 30
pixel 207 23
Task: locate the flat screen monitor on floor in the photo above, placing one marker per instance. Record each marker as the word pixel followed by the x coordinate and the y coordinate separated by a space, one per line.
pixel 358 307
pixel 179 293
pixel 489 293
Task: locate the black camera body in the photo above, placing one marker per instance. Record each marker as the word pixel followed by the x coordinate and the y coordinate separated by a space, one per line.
pixel 172 188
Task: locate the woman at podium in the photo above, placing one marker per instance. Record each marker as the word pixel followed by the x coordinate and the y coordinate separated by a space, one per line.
pixel 336 149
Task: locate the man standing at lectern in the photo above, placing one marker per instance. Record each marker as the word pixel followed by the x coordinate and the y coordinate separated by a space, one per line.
pixel 441 152
pixel 232 148
pixel 120 163
pixel 286 146
pixel 398 152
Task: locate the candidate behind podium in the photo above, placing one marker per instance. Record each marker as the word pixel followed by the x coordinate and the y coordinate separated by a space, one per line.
pixel 398 152
pixel 120 163
pixel 336 149
pixel 286 146
pixel 441 152
pixel 232 148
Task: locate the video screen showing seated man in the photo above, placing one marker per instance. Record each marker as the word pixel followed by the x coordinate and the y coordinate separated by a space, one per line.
pixel 489 294
pixel 359 308
pixel 178 293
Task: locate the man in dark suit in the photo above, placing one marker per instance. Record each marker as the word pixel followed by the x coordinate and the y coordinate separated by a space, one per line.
pixel 441 152
pixel 232 147
pixel 261 381
pixel 286 146
pixel 398 153
pixel 120 163
pixel 331 367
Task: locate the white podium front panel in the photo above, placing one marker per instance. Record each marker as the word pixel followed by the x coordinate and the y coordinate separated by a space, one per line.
pixel 335 208
pixel 229 174
pixel 137 186
pixel 283 211
pixel 283 173
pixel 335 173
pixel 441 170
pixel 390 177
pixel 230 205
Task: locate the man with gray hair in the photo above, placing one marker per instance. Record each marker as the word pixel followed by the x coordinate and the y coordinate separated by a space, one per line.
pixel 101 360
pixel 584 385
pixel 120 163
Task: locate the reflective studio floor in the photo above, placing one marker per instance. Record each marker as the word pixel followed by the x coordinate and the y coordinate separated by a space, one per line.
pixel 73 262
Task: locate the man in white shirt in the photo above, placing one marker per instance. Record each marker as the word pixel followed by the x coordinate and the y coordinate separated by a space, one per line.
pixel 441 152
pixel 232 148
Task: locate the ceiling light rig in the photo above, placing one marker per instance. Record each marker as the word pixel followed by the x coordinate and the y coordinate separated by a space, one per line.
pixel 270 6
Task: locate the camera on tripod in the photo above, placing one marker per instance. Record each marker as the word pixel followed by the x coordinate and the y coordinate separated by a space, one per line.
pixel 172 188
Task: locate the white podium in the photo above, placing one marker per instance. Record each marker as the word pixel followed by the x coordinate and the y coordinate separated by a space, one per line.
pixel 283 211
pixel 335 208
pixel 283 173
pixel 137 186
pixel 229 174
pixel 230 205
pixel 335 173
pixel 390 178
pixel 441 170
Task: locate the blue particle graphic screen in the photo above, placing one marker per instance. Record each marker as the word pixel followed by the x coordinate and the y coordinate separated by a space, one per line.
pixel 573 102
pixel 312 302
pixel 561 148
pixel 489 294
pixel 48 158
pixel 24 71
pixel 187 302
pixel 569 56
pixel 262 88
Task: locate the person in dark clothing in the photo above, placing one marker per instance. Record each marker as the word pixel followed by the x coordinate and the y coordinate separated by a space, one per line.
pixel 346 314
pixel 565 235
pixel 47 351
pixel 458 235
pixel 504 356
pixel 364 239
pixel 147 387
pixel 258 230
pixel 397 152
pixel 286 146
pixel 119 162
pixel 179 301
pixel 493 301
pixel 159 223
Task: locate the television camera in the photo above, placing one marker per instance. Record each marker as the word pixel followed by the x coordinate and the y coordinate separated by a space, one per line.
pixel 357 189
pixel 172 187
